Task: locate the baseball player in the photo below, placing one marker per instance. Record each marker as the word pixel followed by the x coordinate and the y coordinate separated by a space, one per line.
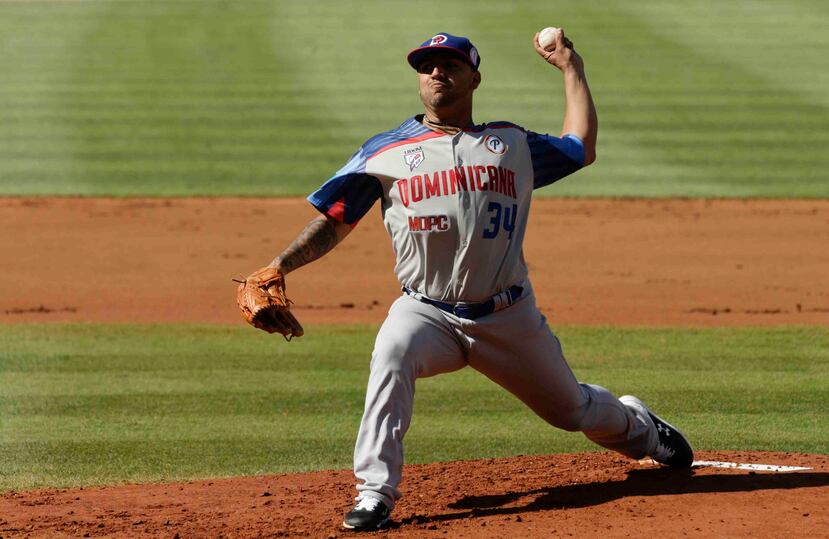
pixel 455 198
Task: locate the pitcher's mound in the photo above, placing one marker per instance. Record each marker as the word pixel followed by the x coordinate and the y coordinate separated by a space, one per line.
pixel 582 495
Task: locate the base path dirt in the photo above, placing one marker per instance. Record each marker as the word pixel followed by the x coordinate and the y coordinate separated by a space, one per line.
pixel 628 262
pixel 585 495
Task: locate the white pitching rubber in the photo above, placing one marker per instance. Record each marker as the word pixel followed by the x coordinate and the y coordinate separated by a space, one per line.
pixel 752 467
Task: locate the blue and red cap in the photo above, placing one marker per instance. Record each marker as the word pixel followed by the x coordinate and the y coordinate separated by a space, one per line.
pixel 443 41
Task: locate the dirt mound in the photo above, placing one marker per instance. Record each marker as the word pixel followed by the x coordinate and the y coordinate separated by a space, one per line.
pixel 583 495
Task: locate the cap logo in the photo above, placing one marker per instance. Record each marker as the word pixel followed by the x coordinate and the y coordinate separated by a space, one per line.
pixel 494 144
pixel 473 56
pixel 437 40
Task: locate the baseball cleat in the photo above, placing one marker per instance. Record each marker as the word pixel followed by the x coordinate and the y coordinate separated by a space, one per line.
pixel 369 514
pixel 673 448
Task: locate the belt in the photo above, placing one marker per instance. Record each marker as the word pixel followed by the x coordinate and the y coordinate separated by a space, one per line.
pixel 471 311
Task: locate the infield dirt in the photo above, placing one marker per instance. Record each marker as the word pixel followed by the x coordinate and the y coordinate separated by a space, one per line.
pixel 593 262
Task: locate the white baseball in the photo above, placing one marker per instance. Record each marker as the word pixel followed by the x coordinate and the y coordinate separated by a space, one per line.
pixel 547 38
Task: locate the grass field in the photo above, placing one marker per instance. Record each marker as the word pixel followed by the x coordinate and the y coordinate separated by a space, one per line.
pixel 259 97
pixel 91 404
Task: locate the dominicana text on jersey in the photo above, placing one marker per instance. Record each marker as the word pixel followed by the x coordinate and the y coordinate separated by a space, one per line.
pixel 455 206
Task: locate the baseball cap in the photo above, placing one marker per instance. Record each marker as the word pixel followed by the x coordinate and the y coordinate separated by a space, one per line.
pixel 443 41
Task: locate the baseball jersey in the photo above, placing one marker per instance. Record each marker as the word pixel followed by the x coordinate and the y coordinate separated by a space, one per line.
pixel 455 206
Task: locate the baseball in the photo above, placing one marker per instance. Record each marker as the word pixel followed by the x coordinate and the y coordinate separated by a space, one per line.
pixel 547 38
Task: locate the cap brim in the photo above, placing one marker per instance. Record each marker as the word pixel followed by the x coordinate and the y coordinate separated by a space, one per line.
pixel 416 56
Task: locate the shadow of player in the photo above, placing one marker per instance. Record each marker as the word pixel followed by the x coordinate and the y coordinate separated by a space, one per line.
pixel 650 482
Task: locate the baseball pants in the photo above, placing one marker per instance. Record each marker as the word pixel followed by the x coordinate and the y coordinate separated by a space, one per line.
pixel 514 348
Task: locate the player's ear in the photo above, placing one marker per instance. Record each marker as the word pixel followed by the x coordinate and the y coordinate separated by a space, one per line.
pixel 476 80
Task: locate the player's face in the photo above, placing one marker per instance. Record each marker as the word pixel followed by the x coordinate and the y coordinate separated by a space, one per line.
pixel 446 79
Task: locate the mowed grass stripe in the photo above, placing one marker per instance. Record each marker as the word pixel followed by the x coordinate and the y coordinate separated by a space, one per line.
pixel 156 44
pixel 709 28
pixel 89 404
pixel 218 110
pixel 136 74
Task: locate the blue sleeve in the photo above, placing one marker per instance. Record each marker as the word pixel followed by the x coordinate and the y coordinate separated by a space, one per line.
pixel 350 193
pixel 554 158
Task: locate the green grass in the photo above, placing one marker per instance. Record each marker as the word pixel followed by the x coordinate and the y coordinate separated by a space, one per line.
pixel 93 404
pixel 271 97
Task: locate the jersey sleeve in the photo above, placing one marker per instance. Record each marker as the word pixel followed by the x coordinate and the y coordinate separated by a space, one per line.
pixel 350 193
pixel 554 158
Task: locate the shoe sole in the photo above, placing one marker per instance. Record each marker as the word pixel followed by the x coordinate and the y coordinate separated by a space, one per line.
pixel 379 525
pixel 638 402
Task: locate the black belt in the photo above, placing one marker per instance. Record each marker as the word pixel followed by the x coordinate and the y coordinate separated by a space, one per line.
pixel 471 311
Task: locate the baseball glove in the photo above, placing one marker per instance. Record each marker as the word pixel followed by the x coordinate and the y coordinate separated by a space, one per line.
pixel 264 305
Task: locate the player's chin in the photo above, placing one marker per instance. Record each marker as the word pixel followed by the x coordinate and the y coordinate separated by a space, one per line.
pixel 441 99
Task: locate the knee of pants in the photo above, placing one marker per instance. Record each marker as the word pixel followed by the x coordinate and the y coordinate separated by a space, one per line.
pixel 571 420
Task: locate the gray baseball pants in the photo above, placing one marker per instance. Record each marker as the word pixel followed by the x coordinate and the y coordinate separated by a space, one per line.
pixel 514 348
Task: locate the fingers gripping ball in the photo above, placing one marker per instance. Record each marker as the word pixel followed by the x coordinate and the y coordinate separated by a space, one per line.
pixel 547 42
pixel 547 38
pixel 264 305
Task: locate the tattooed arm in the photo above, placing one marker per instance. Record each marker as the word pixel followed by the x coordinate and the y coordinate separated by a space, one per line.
pixel 320 236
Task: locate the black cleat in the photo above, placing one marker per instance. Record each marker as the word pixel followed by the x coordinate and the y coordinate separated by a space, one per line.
pixel 369 514
pixel 673 448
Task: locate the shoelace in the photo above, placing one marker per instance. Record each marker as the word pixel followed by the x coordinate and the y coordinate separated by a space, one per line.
pixel 367 503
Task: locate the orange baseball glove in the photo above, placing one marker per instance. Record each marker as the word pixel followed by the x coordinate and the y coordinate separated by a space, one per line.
pixel 264 305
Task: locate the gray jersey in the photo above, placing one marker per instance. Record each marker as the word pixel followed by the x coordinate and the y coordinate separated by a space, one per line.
pixel 455 206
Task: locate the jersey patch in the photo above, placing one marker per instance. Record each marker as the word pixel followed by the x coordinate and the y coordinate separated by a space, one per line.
pixel 494 144
pixel 428 223
pixel 413 157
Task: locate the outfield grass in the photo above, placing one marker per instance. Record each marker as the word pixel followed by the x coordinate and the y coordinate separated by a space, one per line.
pixel 93 404
pixel 271 97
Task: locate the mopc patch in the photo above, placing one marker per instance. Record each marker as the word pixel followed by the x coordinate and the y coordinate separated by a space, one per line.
pixel 428 223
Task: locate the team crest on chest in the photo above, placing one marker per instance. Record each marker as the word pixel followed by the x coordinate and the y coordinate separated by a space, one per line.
pixel 413 157
pixel 494 144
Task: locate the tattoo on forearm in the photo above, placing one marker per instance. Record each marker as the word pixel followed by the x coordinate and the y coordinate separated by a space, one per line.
pixel 318 238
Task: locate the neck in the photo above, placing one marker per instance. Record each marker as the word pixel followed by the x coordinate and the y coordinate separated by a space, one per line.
pixel 463 119
pixel 452 119
pixel 458 115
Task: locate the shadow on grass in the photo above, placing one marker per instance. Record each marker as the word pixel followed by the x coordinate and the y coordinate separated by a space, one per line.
pixel 651 482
